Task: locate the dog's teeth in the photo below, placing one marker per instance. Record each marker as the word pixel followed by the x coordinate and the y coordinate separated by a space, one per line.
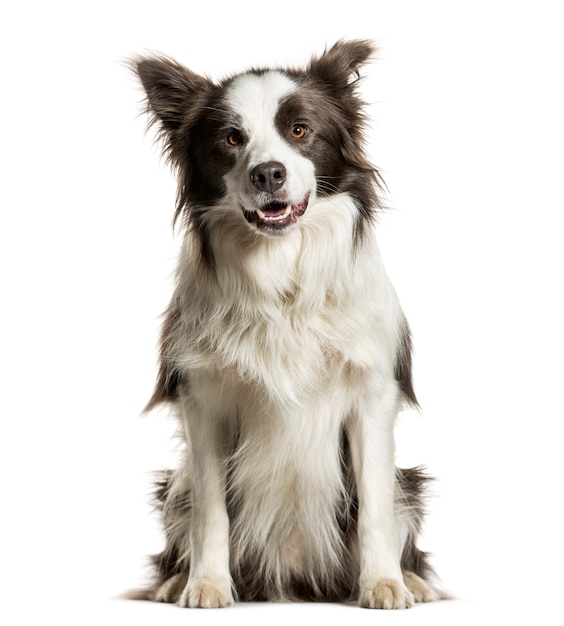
pixel 261 214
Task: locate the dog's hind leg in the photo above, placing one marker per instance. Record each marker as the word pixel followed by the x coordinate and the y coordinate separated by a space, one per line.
pixel 411 487
pixel 422 592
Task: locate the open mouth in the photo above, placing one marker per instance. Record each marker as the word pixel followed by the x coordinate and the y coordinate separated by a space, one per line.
pixel 276 215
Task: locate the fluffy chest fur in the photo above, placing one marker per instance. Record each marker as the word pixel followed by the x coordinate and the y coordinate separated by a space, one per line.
pixel 284 315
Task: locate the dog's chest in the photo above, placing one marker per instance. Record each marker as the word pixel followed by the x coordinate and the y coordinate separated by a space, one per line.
pixel 288 320
pixel 279 354
pixel 286 484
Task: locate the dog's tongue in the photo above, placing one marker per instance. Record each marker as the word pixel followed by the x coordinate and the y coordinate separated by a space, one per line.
pixel 274 209
pixel 275 212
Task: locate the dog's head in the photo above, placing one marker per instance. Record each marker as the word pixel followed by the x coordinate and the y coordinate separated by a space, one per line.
pixel 260 147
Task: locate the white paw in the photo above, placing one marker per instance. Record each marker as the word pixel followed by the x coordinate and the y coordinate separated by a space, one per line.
pixel 207 593
pixel 384 594
pixel 421 590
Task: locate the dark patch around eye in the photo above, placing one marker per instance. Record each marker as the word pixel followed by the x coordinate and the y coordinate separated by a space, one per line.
pixel 322 140
pixel 293 111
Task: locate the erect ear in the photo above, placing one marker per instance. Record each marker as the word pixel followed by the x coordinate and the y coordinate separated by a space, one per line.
pixel 340 64
pixel 172 90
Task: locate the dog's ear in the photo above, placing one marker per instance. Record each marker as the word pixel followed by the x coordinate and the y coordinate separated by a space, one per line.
pixel 339 66
pixel 173 91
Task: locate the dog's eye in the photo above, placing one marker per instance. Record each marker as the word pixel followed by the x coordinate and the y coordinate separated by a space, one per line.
pixel 234 138
pixel 299 131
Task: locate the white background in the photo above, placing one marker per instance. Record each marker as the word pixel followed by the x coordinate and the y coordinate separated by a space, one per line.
pixel 468 115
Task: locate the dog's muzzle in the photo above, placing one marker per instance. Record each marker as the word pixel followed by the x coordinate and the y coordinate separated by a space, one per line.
pixel 276 216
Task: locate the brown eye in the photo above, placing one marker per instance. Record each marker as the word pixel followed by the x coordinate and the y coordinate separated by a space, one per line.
pixel 299 131
pixel 234 138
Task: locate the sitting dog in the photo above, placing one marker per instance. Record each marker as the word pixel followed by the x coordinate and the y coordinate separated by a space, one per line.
pixel 284 353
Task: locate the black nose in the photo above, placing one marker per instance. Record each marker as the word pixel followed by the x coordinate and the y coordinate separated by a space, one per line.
pixel 269 176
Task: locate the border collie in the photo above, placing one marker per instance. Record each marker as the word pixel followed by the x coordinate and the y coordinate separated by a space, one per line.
pixel 284 353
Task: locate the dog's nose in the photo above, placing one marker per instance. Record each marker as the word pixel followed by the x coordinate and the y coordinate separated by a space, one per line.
pixel 269 176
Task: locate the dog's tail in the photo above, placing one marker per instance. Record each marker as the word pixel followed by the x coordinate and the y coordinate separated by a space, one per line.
pixel 412 493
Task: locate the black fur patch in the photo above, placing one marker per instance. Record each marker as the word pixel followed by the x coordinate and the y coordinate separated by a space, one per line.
pixel 169 378
pixel 402 369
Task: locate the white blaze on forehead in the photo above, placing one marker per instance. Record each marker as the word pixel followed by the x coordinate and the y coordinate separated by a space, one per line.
pixel 255 98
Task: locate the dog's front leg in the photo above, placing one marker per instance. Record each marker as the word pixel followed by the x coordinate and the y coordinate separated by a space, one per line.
pixel 371 433
pixel 209 582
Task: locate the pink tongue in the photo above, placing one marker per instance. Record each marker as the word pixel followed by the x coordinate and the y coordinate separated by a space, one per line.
pixel 273 210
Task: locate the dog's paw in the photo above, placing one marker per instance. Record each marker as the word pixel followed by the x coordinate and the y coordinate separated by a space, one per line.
pixel 385 594
pixel 421 590
pixel 207 593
